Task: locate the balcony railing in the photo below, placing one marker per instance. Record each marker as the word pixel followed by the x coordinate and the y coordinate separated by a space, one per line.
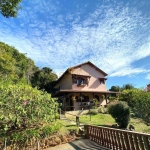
pixel 118 139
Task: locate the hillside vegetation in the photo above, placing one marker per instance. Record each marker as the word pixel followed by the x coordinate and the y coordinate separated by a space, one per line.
pixel 16 67
pixel 27 111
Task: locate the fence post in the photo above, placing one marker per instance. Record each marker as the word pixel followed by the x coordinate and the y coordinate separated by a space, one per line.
pixel 59 113
pixel 38 145
pixel 77 121
pixel 86 131
pixel 5 145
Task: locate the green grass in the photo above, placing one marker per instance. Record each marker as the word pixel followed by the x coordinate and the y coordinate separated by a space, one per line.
pixel 99 119
pixel 66 126
pixel 106 120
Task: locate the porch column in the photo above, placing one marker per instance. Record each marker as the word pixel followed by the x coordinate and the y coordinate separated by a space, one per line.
pixel 65 102
pixel 93 95
pixel 81 101
pixel 106 98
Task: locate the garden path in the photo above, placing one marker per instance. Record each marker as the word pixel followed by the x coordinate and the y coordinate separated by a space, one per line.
pixel 82 144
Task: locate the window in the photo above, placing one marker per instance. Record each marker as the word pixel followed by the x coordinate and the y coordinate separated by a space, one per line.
pixel 80 80
pixel 102 80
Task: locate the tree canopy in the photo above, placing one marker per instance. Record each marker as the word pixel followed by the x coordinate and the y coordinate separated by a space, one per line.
pixel 117 88
pixel 16 67
pixel 43 79
pixel 9 8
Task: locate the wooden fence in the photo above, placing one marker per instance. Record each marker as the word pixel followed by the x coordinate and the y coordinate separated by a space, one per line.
pixel 117 139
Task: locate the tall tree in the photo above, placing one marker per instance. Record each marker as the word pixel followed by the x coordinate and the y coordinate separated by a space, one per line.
pixel 127 87
pixel 9 8
pixel 43 79
pixel 15 66
pixel 115 88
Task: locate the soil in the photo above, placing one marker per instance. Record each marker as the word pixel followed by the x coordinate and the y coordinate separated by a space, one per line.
pixel 44 143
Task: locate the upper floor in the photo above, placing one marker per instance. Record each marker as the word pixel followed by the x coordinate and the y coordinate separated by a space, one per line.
pixel 83 77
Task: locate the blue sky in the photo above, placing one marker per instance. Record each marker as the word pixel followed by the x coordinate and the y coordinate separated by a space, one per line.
pixel 112 34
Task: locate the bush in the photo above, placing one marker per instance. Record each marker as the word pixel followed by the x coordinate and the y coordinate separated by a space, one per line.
pixel 102 110
pixel 22 107
pixel 93 112
pixel 120 112
pixel 50 129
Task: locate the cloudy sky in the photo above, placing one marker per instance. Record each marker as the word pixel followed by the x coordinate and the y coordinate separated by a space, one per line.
pixel 112 34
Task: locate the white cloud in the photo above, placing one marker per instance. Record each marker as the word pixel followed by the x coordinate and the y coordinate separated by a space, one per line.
pixel 129 71
pixel 148 77
pixel 111 37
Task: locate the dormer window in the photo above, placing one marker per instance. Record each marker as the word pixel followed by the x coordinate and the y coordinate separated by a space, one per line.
pixel 80 80
pixel 102 80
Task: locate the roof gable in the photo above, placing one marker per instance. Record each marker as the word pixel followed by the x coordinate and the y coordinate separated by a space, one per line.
pixel 77 66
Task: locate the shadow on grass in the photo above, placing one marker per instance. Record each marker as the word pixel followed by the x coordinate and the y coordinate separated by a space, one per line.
pixel 103 125
pixel 72 125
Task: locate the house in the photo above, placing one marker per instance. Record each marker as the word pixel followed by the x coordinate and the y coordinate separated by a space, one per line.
pixel 81 86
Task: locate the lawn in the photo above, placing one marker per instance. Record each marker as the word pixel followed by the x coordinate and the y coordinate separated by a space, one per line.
pixel 106 120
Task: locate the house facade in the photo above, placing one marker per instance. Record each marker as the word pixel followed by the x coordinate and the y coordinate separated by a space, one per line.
pixel 82 86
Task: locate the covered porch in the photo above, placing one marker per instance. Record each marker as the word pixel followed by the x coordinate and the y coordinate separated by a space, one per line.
pixel 71 100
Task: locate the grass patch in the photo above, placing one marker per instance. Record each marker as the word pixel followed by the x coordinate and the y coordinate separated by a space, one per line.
pixel 99 119
pixel 66 127
pixel 106 120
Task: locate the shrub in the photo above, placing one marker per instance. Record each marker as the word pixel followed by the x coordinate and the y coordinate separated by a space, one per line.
pixel 102 110
pixel 93 112
pixel 22 107
pixel 50 129
pixel 120 112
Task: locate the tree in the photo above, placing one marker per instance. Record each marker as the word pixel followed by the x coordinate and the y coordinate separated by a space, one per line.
pixel 43 79
pixel 15 66
pixel 9 8
pixel 127 87
pixel 120 112
pixel 115 88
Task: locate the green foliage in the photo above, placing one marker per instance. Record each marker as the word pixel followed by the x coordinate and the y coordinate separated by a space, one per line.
pixel 43 79
pixel 127 87
pixel 50 129
pixel 9 8
pixel 127 96
pixel 95 101
pixel 120 112
pixel 22 106
pixel 115 88
pixel 29 134
pixel 25 135
pixel 93 112
pixel 124 87
pixel 139 100
pixel 15 66
pixel 102 110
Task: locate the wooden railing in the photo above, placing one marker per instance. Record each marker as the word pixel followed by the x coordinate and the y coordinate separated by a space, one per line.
pixel 117 139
